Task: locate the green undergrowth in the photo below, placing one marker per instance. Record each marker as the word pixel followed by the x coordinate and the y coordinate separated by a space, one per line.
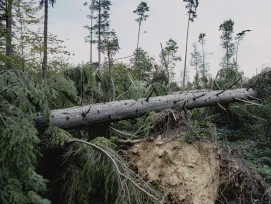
pixel 20 98
pixel 53 165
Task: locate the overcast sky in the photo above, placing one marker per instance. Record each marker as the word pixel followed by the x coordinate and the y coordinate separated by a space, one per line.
pixel 168 19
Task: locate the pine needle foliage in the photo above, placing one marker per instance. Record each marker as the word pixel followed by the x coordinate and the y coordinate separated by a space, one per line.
pixel 95 166
pixel 54 137
pixel 137 90
pixel 20 98
pixel 62 93
pixel 246 127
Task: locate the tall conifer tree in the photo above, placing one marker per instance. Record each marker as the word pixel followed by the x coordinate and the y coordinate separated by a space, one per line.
pixel 45 4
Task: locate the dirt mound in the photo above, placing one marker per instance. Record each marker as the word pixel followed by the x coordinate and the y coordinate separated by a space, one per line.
pixel 185 173
pixel 199 172
pixel 238 182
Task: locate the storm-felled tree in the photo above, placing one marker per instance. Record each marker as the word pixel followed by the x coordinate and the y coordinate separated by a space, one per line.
pixel 20 98
pixel 228 72
pixel 110 46
pixel 239 37
pixel 141 11
pixel 45 4
pixel 169 58
pixel 191 5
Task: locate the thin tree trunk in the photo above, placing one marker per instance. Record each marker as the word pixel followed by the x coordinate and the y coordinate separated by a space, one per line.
pixel 203 58
pixel 99 46
pixel 166 65
pixel 45 33
pixel 82 85
pixel 236 55
pixel 227 56
pixel 110 65
pixel 21 36
pixel 138 34
pixel 137 44
pixel 9 4
pixel 185 58
pixel 119 110
pixel 91 38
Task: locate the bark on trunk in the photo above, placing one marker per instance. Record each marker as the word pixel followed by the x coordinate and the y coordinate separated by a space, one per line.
pixel 166 66
pixel 99 45
pixel 186 44
pixel 75 117
pixel 45 33
pixel 110 65
pixel 9 5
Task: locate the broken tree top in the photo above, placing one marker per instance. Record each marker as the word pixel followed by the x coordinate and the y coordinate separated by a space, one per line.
pixel 75 117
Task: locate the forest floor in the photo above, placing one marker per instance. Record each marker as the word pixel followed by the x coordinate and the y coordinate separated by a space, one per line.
pixel 195 171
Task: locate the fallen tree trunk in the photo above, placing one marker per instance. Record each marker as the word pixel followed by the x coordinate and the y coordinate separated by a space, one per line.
pixel 75 117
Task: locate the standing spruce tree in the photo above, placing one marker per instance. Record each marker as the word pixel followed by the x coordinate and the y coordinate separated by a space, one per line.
pixel 6 15
pixel 89 38
pixel 24 16
pixel 141 11
pixel 45 36
pixel 228 72
pixel 239 37
pixel 196 62
pixel 168 58
pixel 9 5
pixel 191 5
pixel 2 55
pixel 100 29
pixel 227 42
pixel 2 34
pixel 142 65
pixel 205 65
pixel 110 47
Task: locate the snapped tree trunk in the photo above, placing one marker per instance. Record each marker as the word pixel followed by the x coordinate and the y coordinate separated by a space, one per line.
pixel 75 117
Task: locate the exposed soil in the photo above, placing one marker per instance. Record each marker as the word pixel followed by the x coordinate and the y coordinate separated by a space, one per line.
pixel 198 173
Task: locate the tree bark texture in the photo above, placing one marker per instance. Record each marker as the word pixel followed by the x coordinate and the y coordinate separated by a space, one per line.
pixel 186 44
pixel 75 117
pixel 45 33
pixel 9 4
